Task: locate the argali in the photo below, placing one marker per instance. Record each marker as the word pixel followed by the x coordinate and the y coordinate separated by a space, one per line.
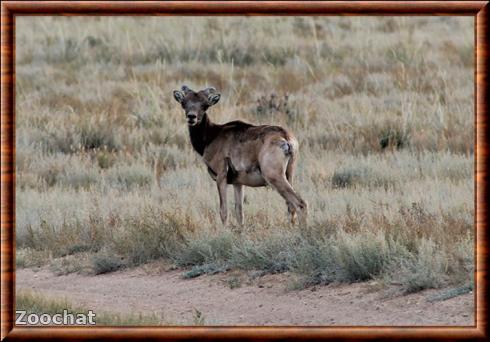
pixel 239 153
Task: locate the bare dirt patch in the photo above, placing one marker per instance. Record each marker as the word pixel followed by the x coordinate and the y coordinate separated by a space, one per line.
pixel 236 299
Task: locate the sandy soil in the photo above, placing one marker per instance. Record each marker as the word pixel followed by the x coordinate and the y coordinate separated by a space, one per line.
pixel 260 301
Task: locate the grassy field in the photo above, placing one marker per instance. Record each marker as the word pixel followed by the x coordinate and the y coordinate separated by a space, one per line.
pixel 36 303
pixel 382 108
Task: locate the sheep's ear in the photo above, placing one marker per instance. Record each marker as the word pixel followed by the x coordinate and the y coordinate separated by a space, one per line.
pixel 178 96
pixel 213 99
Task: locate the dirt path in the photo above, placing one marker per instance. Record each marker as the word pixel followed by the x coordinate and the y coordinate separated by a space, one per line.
pixel 263 301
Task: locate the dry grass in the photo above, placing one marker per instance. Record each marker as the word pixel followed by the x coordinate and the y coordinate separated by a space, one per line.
pixel 36 303
pixel 382 108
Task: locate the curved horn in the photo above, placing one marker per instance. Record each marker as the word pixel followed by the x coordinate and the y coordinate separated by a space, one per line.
pixel 186 89
pixel 210 90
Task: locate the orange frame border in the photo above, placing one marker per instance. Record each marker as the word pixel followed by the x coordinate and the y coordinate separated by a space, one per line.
pixel 10 9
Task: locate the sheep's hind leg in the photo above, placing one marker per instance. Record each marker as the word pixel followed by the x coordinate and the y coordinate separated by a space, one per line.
pixel 274 171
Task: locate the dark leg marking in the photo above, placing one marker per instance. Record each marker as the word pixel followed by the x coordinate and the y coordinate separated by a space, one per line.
pixel 232 173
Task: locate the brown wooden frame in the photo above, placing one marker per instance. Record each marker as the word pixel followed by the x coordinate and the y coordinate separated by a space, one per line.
pixel 10 9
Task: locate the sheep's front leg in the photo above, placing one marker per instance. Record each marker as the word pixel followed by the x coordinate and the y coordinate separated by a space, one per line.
pixel 239 203
pixel 222 187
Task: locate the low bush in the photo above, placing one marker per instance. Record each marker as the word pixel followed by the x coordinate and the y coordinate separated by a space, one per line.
pixel 105 262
